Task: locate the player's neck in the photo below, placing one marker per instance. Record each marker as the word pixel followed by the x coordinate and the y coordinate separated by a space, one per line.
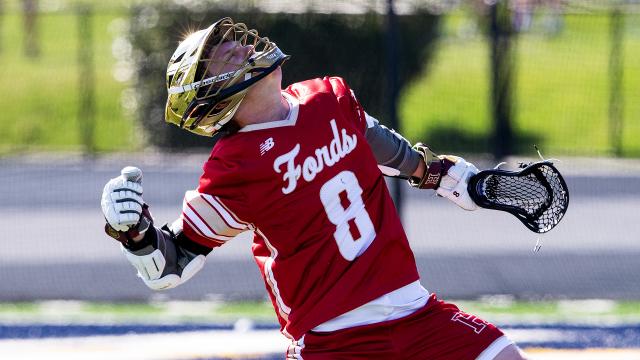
pixel 262 106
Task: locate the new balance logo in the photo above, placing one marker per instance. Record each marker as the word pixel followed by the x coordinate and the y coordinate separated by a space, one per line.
pixel 266 146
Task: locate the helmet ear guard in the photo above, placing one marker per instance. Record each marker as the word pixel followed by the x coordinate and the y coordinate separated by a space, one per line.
pixel 205 87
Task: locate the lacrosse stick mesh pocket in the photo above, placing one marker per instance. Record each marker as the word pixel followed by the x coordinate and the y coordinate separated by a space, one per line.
pixel 537 195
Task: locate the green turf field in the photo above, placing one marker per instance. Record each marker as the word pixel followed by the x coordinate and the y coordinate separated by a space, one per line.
pixel 562 88
pixel 495 309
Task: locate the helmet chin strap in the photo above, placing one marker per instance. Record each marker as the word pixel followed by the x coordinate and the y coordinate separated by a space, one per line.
pixel 217 126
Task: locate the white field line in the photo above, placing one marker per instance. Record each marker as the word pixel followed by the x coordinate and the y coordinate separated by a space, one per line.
pixel 170 346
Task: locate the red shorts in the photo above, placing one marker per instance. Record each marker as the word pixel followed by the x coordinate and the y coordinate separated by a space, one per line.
pixel 439 331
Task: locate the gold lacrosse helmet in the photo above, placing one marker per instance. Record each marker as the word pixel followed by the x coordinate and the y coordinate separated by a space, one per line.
pixel 205 87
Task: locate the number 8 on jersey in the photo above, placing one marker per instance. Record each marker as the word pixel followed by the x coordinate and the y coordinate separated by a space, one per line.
pixel 342 217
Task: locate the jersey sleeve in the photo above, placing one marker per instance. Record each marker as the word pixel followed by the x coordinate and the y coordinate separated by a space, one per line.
pixel 210 214
pixel 349 104
pixel 207 221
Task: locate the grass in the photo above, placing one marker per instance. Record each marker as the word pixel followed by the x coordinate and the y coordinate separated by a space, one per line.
pixel 562 90
pixel 152 312
pixel 562 87
pixel 590 311
pixel 41 95
pixel 496 309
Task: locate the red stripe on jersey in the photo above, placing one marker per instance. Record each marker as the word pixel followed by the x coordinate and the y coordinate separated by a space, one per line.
pixel 219 213
pixel 233 215
pixel 193 235
pixel 219 236
pixel 189 222
pixel 199 217
pixel 273 288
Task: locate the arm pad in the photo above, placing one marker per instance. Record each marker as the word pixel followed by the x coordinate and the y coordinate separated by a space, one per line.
pixel 167 260
pixel 393 152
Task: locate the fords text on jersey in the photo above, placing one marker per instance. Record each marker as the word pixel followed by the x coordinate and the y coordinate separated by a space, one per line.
pixel 341 145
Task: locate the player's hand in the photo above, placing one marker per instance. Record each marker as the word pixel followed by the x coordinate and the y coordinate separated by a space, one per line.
pixel 122 203
pixel 448 175
pixel 453 184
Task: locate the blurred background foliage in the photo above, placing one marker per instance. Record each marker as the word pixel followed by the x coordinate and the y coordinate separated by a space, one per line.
pixel 576 88
pixel 348 45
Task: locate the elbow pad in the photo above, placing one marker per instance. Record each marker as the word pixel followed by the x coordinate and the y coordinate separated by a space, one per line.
pixel 392 151
pixel 168 260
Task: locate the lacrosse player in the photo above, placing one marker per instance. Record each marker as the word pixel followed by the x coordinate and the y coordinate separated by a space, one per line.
pixel 303 169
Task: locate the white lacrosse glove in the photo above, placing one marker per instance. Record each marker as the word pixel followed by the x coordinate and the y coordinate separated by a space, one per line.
pixel 448 175
pixel 122 202
pixel 453 184
pixel 151 267
pixel 164 264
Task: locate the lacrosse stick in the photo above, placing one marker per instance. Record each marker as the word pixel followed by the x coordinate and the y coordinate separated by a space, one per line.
pixel 536 194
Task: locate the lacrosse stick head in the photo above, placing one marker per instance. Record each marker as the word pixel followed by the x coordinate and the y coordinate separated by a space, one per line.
pixel 537 194
pixel 207 80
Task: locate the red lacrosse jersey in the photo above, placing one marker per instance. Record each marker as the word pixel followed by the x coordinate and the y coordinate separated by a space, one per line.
pixel 327 237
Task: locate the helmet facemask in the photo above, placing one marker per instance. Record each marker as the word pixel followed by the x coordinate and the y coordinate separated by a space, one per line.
pixel 207 80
